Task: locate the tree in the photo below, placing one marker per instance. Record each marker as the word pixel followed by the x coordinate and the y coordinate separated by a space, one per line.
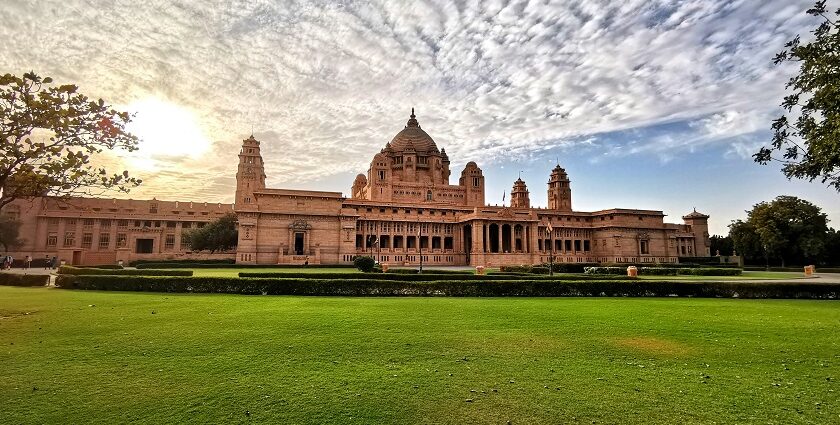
pixel 810 142
pixel 364 263
pixel 786 229
pixel 48 136
pixel 219 235
pixel 721 244
pixel 9 233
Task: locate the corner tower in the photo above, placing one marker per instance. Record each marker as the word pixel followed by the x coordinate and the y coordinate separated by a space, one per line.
pixel 250 175
pixel 519 196
pixel 559 190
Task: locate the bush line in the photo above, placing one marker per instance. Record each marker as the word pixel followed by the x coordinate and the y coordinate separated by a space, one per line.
pixel 13 279
pixel 89 271
pixel 665 271
pixel 423 277
pixel 454 288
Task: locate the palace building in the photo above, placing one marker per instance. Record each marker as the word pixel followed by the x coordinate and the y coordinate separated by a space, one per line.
pixel 404 210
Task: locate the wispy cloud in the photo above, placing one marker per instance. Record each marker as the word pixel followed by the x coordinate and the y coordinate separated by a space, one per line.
pixel 326 84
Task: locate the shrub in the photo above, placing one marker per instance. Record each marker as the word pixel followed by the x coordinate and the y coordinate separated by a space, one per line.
pixel 14 279
pixel 136 263
pixel 709 271
pixel 605 270
pixel 364 263
pixel 569 267
pixel 70 270
pixel 516 269
pixel 103 266
pixel 376 287
pixel 429 271
pixel 237 266
pixel 421 277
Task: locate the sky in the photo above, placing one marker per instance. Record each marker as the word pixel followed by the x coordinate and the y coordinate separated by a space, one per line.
pixel 647 104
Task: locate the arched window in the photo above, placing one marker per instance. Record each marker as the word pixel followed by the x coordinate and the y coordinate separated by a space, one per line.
pixel 429 195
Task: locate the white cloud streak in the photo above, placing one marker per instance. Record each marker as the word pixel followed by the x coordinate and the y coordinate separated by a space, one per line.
pixel 326 84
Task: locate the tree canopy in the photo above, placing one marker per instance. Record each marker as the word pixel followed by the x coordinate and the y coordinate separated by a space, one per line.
pixel 48 135
pixel 807 136
pixel 9 232
pixel 787 229
pixel 219 235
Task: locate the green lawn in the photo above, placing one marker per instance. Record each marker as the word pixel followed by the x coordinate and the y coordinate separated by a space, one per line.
pixel 108 357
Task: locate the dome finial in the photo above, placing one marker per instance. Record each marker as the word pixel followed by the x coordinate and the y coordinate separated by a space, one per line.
pixel 412 121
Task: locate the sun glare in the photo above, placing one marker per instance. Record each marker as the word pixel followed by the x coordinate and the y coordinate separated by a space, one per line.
pixel 166 129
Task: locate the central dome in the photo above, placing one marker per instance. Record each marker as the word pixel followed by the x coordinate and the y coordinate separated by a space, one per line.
pixel 413 137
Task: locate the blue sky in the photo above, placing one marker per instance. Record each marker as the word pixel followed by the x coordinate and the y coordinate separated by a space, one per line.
pixel 647 104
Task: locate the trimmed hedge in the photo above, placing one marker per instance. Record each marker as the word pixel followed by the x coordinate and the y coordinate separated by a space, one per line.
pixel 665 271
pixel 239 266
pixel 792 269
pixel 135 263
pixel 455 288
pixel 14 279
pixel 103 266
pixel 70 270
pixel 421 277
pixel 430 271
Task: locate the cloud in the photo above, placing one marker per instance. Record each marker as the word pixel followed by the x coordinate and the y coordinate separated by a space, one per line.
pixel 325 85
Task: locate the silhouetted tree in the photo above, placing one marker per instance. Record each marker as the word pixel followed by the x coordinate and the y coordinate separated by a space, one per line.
pixel 809 140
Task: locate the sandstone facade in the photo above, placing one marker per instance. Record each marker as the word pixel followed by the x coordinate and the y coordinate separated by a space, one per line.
pixel 402 211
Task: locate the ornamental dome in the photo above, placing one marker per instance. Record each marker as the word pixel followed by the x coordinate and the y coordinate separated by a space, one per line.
pixel 413 137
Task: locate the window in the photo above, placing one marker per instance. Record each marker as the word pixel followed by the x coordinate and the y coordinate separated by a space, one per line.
pixel 88 223
pixel 122 241
pixel 381 174
pixel 170 224
pixel 122 223
pixel 104 241
pixel 87 240
pixel 475 181
pixel 186 225
pixel 169 243
pixel 153 207
pixel 644 247
pixel 69 238
pixel 71 222
pixel 104 224
pixel 52 239
pixel 429 195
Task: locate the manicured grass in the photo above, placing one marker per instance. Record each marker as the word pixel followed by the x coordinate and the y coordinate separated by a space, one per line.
pixel 104 357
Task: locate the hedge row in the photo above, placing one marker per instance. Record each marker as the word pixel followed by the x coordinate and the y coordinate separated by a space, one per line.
pixel 455 288
pixel 194 265
pixel 429 271
pixel 422 277
pixel 13 279
pixel 665 271
pixel 70 270
pixel 103 266
pixel 135 263
pixel 792 269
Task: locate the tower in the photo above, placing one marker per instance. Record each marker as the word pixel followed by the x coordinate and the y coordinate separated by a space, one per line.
pixel 519 196
pixel 559 191
pixel 699 224
pixel 472 180
pixel 250 175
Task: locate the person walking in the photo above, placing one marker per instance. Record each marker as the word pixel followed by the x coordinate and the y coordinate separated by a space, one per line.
pixel 47 262
pixel 28 262
pixel 53 263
